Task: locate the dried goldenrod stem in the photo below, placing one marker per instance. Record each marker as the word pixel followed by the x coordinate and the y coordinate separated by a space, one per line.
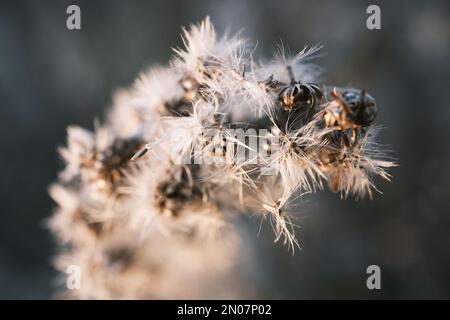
pixel 189 145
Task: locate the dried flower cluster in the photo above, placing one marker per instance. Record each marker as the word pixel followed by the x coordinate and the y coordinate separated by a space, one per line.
pixel 145 199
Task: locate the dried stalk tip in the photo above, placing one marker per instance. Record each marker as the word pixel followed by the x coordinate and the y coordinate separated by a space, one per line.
pixel 189 145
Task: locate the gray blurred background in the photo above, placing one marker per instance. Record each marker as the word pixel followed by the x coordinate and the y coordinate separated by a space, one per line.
pixel 51 77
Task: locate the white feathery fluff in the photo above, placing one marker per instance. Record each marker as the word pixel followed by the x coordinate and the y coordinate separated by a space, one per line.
pixel 214 134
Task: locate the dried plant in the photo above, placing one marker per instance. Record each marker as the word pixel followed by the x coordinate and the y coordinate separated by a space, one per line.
pixel 144 202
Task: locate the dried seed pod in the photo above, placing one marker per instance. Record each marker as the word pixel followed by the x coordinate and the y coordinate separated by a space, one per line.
pixel 298 95
pixel 350 109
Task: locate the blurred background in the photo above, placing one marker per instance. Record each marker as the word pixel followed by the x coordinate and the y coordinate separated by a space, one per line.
pixel 51 77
